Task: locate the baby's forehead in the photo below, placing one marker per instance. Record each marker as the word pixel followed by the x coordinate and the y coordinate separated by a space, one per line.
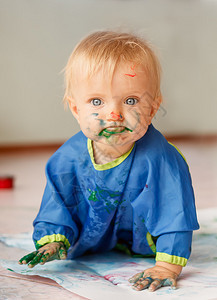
pixel 127 80
pixel 130 69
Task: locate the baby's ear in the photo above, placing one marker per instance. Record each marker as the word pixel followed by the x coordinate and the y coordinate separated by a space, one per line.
pixel 73 107
pixel 155 105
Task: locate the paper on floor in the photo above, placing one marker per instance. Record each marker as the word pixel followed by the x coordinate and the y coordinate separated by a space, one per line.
pixel 106 276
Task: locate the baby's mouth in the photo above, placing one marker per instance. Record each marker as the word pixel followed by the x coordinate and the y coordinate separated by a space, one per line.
pixel 107 132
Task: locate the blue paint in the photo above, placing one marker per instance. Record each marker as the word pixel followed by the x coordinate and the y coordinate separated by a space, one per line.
pixel 101 122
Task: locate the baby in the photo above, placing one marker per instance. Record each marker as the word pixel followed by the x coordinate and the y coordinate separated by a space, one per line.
pixel 117 183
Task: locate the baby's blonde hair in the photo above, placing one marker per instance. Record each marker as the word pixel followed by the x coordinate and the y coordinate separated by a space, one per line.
pixel 105 50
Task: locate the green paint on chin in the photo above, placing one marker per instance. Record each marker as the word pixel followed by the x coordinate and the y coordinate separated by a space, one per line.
pixel 106 133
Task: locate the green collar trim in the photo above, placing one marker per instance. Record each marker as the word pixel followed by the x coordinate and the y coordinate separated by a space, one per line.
pixel 108 165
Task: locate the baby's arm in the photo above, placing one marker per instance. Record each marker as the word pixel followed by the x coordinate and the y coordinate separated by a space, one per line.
pixel 48 252
pixel 161 274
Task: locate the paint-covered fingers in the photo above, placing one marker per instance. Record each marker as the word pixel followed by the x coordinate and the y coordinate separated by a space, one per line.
pixel 155 284
pixel 35 260
pixel 45 257
pixel 48 252
pixel 154 278
pixel 172 282
pixel 136 277
pixel 142 283
pixel 62 252
pixel 27 258
pixel 55 250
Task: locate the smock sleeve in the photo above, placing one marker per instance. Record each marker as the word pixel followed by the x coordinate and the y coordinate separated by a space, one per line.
pixel 174 213
pixel 174 248
pixel 54 222
pixel 167 206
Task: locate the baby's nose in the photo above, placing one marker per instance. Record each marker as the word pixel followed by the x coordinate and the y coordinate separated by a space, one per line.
pixel 115 117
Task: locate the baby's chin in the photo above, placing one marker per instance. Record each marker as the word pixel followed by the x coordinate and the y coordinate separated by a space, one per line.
pixel 115 139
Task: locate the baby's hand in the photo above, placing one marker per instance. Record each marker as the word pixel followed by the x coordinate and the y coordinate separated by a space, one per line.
pixel 154 278
pixel 48 252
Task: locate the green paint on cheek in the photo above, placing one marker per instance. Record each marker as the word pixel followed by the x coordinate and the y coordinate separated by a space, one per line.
pixel 95 114
pixel 137 116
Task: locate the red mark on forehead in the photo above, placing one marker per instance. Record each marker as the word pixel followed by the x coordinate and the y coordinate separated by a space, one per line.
pixel 132 75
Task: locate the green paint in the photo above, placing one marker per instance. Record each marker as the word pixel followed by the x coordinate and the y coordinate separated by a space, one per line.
pixel 119 201
pixel 62 252
pixel 108 211
pixel 106 197
pixel 106 133
pixel 93 197
pixel 27 258
pixel 26 271
pixel 106 193
pixel 10 270
pixel 95 114
pixel 44 258
pixel 114 194
pixel 37 245
pixel 35 260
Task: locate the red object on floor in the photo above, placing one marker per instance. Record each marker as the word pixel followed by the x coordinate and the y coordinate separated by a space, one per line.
pixel 6 182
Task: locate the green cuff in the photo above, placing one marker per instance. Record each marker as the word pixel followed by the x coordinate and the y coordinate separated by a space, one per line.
pixel 172 259
pixel 52 238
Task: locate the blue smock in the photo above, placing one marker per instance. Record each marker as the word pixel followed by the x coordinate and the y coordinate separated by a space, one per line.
pixel 144 199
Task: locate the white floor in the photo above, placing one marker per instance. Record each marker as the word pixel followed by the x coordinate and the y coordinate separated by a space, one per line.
pixel 18 208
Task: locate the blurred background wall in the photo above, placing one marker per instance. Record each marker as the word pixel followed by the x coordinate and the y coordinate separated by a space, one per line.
pixel 37 37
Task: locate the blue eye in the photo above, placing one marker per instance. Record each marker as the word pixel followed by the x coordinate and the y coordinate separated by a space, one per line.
pixel 131 101
pixel 96 102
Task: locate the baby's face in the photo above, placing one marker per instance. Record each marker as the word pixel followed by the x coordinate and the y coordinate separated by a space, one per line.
pixel 116 112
